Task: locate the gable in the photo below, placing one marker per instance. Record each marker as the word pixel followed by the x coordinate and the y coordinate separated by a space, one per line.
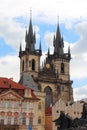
pixel 10 95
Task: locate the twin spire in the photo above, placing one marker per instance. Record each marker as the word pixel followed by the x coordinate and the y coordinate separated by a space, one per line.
pixel 30 39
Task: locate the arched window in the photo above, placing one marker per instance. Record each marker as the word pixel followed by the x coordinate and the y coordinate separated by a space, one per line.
pixel 62 68
pixel 33 64
pixel 23 65
pixel 39 120
pixel 48 99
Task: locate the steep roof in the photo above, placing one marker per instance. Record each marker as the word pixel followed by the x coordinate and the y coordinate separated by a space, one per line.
pixel 9 83
pixel 28 81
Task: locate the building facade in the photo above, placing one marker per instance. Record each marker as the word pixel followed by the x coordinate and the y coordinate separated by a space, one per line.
pixel 73 110
pixel 20 108
pixel 53 77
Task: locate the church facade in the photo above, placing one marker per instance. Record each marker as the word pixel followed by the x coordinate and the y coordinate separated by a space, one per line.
pixel 53 77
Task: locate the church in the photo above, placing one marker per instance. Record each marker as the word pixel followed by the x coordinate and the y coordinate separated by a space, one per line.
pixel 43 91
pixel 53 77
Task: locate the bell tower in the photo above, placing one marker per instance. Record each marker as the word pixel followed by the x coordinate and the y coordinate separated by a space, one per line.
pixel 61 60
pixel 54 77
pixel 30 57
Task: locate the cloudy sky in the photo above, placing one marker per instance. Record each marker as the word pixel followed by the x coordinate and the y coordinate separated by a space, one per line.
pixel 14 20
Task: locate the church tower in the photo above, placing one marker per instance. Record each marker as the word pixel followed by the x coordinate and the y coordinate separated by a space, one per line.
pixel 30 57
pixel 53 77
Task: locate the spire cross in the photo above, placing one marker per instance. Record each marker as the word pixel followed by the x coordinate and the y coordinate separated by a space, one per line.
pixel 58 19
pixel 30 12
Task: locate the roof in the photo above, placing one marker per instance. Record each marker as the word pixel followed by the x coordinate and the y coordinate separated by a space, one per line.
pixel 6 84
pixel 28 81
pixel 10 94
pixel 9 83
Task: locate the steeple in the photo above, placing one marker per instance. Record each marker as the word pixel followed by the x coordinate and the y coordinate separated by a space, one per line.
pixel 30 37
pixel 58 42
pixel 69 51
pixel 48 52
pixel 20 50
pixel 40 48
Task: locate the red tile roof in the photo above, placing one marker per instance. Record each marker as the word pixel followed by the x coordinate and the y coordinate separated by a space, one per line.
pixel 9 83
pixel 6 83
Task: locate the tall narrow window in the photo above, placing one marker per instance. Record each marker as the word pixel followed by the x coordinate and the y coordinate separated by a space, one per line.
pixel 15 120
pixel 2 120
pixel 16 104
pixel 62 68
pixel 48 99
pixel 31 105
pixel 33 64
pixel 39 120
pixel 9 104
pixel 24 121
pixel 2 103
pixel 9 121
pixel 31 121
pixel 23 65
pixel 24 105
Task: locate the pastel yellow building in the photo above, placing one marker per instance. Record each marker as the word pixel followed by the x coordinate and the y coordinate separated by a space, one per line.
pixel 20 107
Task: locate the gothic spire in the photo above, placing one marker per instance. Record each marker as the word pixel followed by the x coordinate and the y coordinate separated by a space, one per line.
pixel 48 52
pixel 30 38
pixel 20 50
pixel 58 42
pixel 69 51
pixel 40 48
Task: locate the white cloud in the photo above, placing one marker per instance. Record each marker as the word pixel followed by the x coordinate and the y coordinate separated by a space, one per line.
pixel 81 45
pixel 80 93
pixel 44 10
pixel 79 53
pixel 48 37
pixel 11 32
pixel 10 67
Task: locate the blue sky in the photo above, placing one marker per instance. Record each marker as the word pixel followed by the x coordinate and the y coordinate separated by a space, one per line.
pixel 73 23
